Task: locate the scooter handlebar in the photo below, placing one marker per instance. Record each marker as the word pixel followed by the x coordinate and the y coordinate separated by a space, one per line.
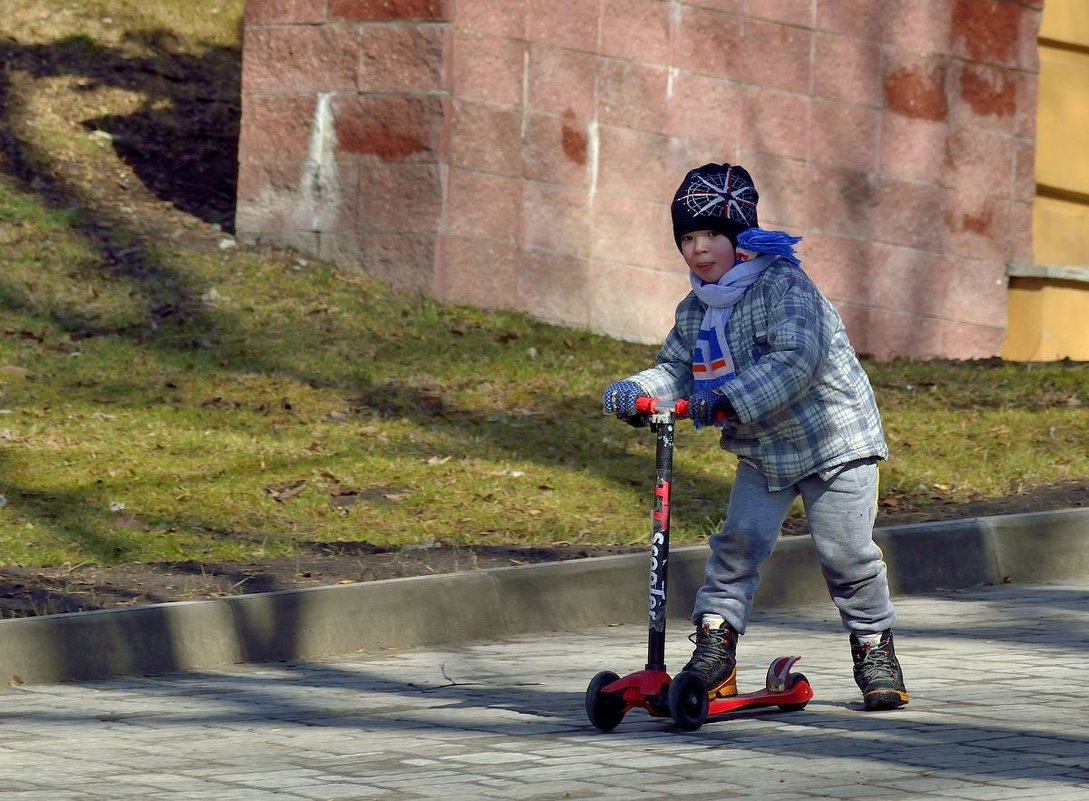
pixel 645 405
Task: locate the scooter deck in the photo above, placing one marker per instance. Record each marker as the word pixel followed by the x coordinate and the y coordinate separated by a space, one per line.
pixel 649 690
pixel 800 694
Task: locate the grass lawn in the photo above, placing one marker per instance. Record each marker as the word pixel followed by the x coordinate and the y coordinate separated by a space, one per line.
pixel 168 396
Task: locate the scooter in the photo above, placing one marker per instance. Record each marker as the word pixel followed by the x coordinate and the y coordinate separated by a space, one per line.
pixel 685 697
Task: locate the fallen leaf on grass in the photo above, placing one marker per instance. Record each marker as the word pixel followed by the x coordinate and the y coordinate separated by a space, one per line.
pixel 350 496
pixel 283 492
pixel 342 499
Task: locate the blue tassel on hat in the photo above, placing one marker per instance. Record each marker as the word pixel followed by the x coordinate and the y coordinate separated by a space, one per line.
pixel 777 243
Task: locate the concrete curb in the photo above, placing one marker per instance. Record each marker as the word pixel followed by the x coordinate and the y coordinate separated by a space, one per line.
pixel 325 621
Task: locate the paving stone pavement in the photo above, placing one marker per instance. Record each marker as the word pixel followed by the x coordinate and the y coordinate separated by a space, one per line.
pixel 997 712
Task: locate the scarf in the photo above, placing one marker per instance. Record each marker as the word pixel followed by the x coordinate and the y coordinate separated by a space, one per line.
pixel 712 363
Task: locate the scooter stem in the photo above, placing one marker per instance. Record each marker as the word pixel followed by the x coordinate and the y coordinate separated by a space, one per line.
pixel 663 424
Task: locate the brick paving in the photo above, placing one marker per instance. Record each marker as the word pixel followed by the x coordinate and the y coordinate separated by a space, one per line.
pixel 998 712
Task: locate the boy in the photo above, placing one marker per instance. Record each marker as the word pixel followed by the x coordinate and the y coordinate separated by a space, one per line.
pixel 762 354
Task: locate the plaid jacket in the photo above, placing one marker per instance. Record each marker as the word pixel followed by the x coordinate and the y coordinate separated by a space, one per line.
pixel 804 404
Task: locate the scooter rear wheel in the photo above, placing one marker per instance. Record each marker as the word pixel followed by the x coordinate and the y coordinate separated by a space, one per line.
pixel 688 701
pixel 793 680
pixel 605 710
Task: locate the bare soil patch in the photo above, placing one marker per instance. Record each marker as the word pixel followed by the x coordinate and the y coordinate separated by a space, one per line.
pixel 37 591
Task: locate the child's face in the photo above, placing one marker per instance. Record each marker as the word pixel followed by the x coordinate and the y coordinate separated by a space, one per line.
pixel 709 254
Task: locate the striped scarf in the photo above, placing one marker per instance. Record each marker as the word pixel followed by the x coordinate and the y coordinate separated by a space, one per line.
pixel 712 363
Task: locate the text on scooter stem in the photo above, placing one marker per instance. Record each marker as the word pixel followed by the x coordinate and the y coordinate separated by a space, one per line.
pixel 657 583
pixel 658 556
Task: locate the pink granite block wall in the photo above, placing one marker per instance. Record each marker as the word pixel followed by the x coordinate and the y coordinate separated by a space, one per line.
pixel 522 153
pixel 555 286
pixel 344 130
pixel 287 12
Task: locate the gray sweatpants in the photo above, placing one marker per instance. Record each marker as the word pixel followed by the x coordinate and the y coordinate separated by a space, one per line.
pixel 841 514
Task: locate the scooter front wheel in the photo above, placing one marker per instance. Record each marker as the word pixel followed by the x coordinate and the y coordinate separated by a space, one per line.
pixel 605 710
pixel 688 701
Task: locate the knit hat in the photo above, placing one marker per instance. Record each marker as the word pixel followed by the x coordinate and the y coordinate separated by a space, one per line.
pixel 715 197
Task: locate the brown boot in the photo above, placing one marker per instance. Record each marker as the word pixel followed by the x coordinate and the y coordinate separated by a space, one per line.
pixel 878 674
pixel 715 659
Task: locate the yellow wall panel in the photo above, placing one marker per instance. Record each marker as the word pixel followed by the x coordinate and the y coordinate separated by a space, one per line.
pixel 1062 131
pixel 1060 232
pixel 1049 316
pixel 1065 21
pixel 1048 302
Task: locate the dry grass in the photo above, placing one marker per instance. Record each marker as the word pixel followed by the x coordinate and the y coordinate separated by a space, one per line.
pixel 166 396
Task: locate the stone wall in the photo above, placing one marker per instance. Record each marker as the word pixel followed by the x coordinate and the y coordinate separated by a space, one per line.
pixel 522 153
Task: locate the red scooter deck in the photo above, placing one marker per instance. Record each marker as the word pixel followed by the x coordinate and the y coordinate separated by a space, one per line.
pixel 685 697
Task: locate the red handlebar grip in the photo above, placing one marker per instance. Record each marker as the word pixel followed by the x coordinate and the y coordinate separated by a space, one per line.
pixel 645 405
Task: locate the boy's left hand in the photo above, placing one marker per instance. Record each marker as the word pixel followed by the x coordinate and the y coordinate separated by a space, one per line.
pixel 709 408
pixel 619 399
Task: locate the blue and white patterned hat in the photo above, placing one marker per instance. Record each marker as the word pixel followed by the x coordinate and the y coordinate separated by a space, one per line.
pixel 715 197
